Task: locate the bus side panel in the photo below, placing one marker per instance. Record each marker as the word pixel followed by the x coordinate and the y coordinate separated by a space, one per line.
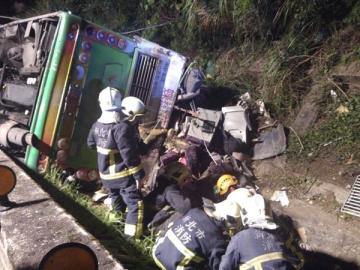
pixel 166 80
pixel 56 64
pixel 171 86
pixel 59 91
pixel 105 59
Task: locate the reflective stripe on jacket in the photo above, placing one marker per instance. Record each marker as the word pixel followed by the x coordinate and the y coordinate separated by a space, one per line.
pixel 256 249
pixel 192 239
pixel 118 152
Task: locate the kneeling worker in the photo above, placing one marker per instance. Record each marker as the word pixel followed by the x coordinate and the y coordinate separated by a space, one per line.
pixel 257 245
pixel 115 137
pixel 193 241
pixel 167 201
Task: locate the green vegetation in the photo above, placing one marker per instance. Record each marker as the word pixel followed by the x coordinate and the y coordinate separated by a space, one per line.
pixel 354 15
pixel 101 222
pixel 119 14
pixel 286 37
pixel 297 186
pixel 338 134
pixel 275 49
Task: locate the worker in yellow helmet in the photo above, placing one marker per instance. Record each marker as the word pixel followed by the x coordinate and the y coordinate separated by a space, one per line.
pixel 225 185
pixel 258 245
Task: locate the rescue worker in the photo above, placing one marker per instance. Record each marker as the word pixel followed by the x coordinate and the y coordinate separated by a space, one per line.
pixel 167 198
pixel 193 241
pixel 115 137
pixel 227 183
pixel 257 245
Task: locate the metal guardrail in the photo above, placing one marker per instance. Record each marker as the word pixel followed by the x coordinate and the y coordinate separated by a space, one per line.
pixel 352 204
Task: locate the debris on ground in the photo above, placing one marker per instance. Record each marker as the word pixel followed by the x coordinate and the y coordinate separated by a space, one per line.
pixel 342 110
pixel 99 196
pixel 270 143
pixel 280 196
pixel 209 141
pixel 201 144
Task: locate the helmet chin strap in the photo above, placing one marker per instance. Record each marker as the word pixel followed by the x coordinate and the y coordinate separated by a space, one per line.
pixel 132 118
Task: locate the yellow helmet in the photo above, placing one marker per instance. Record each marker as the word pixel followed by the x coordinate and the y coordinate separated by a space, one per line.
pixel 225 182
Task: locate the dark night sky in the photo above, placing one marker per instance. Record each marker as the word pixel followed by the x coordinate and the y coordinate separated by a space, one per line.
pixel 6 8
pixel 14 8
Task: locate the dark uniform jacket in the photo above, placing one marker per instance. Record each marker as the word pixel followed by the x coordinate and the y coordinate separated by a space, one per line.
pixel 192 240
pixel 256 249
pixel 173 196
pixel 161 203
pixel 118 148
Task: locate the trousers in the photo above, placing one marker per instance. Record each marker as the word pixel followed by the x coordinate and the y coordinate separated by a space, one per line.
pixel 126 192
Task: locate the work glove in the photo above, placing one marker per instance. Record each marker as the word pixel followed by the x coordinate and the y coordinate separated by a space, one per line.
pixel 154 133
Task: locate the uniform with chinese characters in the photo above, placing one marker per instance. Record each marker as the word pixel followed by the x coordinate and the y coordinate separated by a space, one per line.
pixel 118 157
pixel 192 241
pixel 257 249
pixel 162 202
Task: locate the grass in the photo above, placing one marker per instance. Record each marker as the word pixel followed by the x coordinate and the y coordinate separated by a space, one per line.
pixel 102 223
pixel 297 186
pixel 232 35
pixel 340 132
pixel 329 203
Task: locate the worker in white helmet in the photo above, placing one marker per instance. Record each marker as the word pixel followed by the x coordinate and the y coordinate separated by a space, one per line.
pixel 116 139
pixel 257 245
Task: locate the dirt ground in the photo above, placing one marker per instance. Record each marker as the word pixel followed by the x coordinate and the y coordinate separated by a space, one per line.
pixel 316 192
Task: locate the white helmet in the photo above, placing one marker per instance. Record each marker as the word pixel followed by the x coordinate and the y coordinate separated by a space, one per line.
pixel 110 99
pixel 248 205
pixel 110 104
pixel 231 207
pixel 253 211
pixel 132 106
pixel 226 211
pixel 222 210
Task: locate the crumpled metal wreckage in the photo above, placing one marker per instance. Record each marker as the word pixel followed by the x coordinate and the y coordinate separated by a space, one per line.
pixel 196 147
pixel 199 134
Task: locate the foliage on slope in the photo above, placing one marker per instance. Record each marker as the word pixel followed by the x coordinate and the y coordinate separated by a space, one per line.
pixel 276 49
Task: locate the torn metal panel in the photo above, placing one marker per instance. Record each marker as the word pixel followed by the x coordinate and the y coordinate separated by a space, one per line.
pixel 272 143
pixel 192 84
pixel 352 204
pixel 150 164
pixel 203 127
pixel 11 31
pixel 236 121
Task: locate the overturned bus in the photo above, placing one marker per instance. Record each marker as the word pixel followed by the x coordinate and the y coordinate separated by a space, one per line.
pixel 52 68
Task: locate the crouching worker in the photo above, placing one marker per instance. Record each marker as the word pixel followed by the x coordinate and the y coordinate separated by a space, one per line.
pixel 193 241
pixel 115 137
pixel 228 183
pixel 257 245
pixel 167 201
